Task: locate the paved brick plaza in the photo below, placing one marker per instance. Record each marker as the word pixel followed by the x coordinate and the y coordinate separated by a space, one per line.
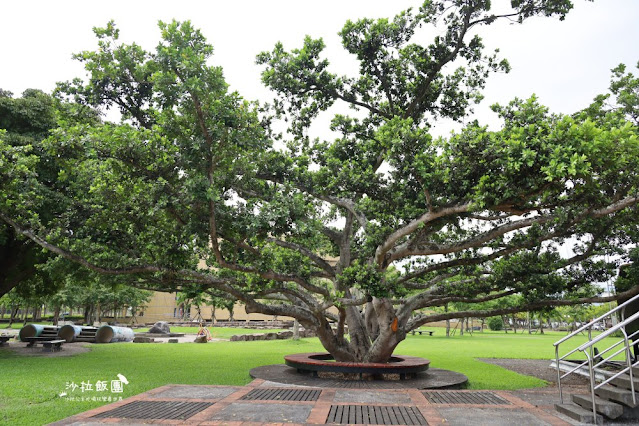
pixel 263 402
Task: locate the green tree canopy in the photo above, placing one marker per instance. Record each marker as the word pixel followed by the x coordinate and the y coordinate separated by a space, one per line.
pixel 190 190
pixel 24 123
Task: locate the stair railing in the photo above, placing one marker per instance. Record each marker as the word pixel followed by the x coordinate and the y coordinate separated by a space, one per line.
pixel 594 358
pixel 587 350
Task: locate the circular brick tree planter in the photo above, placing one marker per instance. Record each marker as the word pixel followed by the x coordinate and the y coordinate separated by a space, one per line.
pixel 319 362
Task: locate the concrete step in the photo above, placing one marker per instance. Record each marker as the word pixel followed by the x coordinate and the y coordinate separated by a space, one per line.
pixel 566 366
pixel 623 382
pixel 623 396
pixel 578 413
pixel 610 409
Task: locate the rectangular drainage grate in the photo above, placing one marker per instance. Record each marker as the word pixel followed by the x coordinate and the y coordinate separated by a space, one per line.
pixel 173 410
pixel 453 397
pixel 375 415
pixel 282 395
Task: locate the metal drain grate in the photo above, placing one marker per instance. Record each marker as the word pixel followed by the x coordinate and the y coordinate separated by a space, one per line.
pixel 452 397
pixel 282 395
pixel 170 410
pixel 375 415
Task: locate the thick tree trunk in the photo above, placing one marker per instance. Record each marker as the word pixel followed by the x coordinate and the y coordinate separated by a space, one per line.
pixel 370 317
pixel 16 259
pixel 361 347
pixel 360 342
pixel 391 333
pixel 14 314
pixel 90 314
pixel 296 330
pixel 340 324
pixel 332 341
pixel 56 315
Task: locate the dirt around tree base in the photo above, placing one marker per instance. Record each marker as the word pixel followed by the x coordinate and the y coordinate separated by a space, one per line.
pixel 68 349
pixel 434 378
pixel 539 368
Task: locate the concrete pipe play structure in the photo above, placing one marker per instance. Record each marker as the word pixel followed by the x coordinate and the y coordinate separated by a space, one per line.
pixel 76 333
pixel 112 334
pixel 37 330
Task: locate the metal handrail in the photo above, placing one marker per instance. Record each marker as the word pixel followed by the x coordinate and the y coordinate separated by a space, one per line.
pixel 596 320
pixel 574 369
pixel 628 368
pixel 604 360
pixel 608 332
pixel 594 361
pixel 610 357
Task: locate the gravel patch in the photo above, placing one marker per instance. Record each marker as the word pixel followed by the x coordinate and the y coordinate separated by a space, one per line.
pixel 539 368
pixel 68 349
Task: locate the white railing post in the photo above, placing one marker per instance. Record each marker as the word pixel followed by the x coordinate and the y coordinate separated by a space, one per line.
pixel 561 395
pixel 591 370
pixel 629 364
pixel 588 349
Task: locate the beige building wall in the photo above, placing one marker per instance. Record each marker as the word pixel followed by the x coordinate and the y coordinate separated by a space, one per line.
pixel 239 314
pixel 161 307
pixel 164 307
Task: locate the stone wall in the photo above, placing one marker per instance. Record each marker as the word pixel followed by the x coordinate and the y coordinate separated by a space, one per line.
pixel 270 336
pixel 257 325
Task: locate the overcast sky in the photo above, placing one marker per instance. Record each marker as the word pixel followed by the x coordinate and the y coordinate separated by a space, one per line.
pixel 565 63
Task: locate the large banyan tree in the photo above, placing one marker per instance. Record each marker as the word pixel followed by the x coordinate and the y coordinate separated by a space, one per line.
pixel 363 237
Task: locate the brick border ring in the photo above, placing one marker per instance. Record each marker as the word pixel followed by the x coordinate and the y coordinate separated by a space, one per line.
pixel 322 362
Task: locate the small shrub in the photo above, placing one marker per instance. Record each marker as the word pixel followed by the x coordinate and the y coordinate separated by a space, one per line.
pixel 495 323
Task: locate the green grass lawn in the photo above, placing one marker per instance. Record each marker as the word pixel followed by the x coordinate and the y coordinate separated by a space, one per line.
pixel 30 388
pixel 14 326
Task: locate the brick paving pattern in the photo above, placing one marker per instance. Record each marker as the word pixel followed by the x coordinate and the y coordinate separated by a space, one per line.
pixel 289 405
